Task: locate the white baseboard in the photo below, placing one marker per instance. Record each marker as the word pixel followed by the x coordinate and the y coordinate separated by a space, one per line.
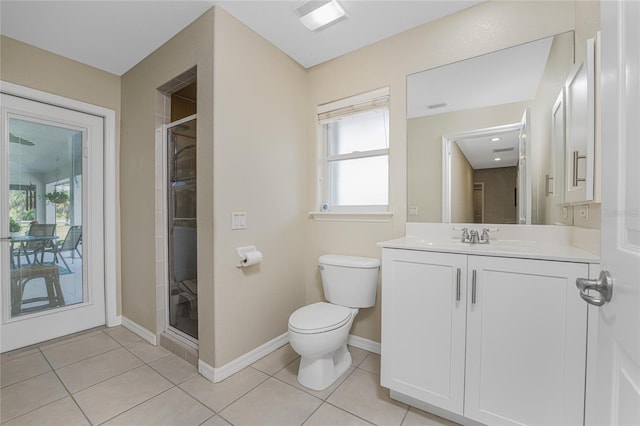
pixel 114 321
pixel 220 373
pixel 139 330
pixel 362 343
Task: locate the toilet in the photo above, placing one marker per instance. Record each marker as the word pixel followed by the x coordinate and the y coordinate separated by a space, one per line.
pixel 319 332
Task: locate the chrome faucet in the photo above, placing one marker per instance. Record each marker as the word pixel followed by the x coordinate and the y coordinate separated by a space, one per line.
pixel 473 234
pixel 484 238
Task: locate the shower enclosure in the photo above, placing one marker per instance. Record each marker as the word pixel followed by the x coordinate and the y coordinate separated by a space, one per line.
pixel 182 227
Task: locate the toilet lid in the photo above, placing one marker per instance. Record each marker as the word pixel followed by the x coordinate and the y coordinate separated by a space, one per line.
pixel 319 317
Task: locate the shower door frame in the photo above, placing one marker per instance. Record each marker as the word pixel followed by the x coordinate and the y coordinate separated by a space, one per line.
pixel 173 331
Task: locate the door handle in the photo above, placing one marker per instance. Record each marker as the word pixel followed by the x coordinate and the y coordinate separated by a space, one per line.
pixel 458 285
pixel 603 285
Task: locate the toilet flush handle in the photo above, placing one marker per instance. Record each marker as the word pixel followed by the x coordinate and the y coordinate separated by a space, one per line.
pixel 321 267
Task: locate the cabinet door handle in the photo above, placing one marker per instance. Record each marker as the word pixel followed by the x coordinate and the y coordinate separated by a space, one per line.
pixel 473 287
pixel 547 185
pixel 576 157
pixel 458 285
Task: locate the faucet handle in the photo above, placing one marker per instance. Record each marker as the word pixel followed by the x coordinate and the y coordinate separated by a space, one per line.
pixel 484 238
pixel 465 236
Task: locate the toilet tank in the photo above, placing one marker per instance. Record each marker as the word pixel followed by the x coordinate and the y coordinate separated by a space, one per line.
pixel 350 281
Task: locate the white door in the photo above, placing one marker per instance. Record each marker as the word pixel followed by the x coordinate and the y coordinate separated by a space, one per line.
pixel 51 196
pixel 524 173
pixel 613 398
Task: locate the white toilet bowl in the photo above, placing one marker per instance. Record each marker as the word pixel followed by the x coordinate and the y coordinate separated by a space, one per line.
pixel 319 333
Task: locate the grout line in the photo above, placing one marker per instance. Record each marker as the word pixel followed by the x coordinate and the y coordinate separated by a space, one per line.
pixel 349 412
pixel 405 415
pixel 137 405
pixel 236 400
pixel 66 388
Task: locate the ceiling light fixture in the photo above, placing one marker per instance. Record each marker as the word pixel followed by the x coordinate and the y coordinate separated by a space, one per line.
pixel 497 159
pixel 317 15
pixel 495 139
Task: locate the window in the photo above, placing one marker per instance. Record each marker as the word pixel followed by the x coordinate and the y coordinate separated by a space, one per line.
pixel 356 153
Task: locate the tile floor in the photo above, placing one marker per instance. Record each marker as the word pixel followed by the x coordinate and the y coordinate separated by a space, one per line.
pixel 110 376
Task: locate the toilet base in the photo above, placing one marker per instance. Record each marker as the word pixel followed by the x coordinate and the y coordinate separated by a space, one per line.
pixel 320 373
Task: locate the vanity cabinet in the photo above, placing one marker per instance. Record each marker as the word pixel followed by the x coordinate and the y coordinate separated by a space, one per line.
pixel 505 343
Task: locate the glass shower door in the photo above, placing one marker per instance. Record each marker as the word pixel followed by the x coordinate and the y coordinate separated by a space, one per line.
pixel 182 226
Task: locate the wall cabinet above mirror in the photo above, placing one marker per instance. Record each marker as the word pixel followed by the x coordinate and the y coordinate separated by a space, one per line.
pixel 471 96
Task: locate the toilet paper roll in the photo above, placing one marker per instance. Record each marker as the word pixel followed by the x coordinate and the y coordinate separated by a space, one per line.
pixel 252 258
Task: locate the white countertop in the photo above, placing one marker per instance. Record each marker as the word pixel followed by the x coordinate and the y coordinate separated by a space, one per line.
pixel 525 249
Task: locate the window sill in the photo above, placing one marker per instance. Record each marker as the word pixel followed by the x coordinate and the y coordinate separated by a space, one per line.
pixel 352 216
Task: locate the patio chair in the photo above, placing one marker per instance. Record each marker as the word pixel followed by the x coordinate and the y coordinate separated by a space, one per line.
pixel 22 276
pixel 38 246
pixel 70 243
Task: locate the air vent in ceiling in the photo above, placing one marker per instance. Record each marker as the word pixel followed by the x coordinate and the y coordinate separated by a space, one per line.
pixel 436 106
pixel 495 151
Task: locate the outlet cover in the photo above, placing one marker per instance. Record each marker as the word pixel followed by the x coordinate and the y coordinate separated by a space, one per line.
pixel 583 212
pixel 565 212
pixel 413 211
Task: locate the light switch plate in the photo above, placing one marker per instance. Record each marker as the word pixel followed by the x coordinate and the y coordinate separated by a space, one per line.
pixel 238 220
pixel 413 211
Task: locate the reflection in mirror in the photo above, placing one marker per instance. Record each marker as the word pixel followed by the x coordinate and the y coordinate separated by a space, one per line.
pixel 452 113
pixel 481 176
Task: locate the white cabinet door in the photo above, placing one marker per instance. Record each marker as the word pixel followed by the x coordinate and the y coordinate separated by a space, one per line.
pixel 580 130
pixel 526 340
pixel 423 326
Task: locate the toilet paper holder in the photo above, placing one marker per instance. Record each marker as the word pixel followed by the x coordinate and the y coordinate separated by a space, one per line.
pixel 249 255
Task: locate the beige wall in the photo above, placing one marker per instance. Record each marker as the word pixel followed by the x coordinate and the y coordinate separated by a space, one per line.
pixel 499 185
pixel 141 275
pixel 260 136
pixel 29 66
pixel 461 187
pixel 484 28
pixel 251 158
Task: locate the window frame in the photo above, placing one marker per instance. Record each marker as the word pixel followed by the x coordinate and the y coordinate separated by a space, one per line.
pixel 332 112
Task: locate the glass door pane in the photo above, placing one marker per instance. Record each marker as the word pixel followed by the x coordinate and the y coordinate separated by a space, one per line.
pixel 45 215
pixel 182 226
pixel 52 275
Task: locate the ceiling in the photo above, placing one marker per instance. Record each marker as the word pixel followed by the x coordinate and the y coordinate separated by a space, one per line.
pixel 46 151
pixel 115 35
pixel 481 152
pixel 502 77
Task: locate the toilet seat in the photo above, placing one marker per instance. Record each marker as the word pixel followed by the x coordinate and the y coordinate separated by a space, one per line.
pixel 319 318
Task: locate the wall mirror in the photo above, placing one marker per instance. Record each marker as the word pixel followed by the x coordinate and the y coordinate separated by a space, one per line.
pixel 479 136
